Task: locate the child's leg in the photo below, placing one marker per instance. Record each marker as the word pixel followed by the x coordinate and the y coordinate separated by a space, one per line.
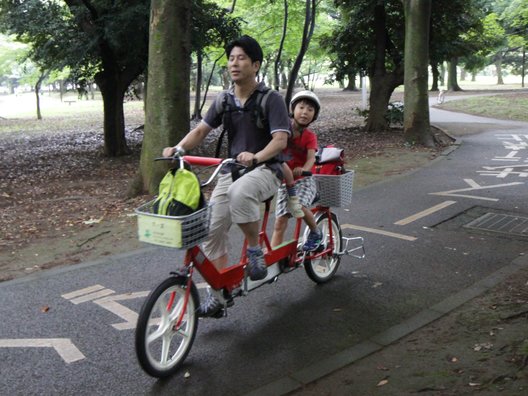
pixel 288 175
pixel 278 230
pixel 294 205
pixel 315 236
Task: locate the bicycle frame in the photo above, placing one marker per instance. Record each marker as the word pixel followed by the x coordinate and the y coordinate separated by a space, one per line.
pixel 234 275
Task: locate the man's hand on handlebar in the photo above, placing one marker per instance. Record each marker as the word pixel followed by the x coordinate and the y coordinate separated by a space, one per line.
pixel 247 159
pixel 173 151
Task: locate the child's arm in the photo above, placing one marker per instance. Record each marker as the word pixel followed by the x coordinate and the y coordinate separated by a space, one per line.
pixel 310 161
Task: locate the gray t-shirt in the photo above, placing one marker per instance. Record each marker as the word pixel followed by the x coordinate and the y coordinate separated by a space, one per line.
pixel 244 135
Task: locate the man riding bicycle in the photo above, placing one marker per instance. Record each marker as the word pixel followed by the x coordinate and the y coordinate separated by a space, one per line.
pixel 258 147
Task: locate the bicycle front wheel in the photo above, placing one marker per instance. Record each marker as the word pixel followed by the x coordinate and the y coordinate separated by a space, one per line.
pixel 166 327
pixel 323 268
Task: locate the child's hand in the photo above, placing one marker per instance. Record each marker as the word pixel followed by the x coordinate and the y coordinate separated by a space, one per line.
pixel 297 172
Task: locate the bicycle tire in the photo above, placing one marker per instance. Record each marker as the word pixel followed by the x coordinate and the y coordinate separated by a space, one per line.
pixel 322 269
pixel 160 348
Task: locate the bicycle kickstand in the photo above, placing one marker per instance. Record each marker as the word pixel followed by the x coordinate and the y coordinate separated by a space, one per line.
pixel 351 252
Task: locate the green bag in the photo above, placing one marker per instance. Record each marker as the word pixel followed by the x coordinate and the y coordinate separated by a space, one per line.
pixel 179 194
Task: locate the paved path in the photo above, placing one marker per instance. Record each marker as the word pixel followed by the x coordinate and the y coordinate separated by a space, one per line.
pixel 70 330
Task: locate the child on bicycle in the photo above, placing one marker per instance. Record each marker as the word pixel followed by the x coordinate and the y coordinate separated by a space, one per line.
pixel 299 190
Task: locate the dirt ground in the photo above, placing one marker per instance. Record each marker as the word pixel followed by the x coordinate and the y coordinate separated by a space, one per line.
pixel 62 202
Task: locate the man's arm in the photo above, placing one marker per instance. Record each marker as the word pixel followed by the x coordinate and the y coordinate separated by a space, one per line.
pixel 279 141
pixel 191 140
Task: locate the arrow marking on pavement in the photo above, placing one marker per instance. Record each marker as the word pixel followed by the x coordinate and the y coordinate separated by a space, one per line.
pixel 474 186
pixel 129 316
pixel 425 213
pixel 380 232
pixel 64 347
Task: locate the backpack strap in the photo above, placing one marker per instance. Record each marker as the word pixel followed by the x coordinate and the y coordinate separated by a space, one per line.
pixel 260 108
pixel 221 106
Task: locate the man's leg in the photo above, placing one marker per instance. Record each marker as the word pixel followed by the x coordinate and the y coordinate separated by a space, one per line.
pixel 245 197
pixel 215 246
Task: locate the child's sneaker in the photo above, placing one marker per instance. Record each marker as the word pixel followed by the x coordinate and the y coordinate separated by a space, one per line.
pixel 313 241
pixel 295 207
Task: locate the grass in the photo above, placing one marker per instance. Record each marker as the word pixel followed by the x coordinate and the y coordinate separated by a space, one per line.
pixel 18 113
pixel 505 106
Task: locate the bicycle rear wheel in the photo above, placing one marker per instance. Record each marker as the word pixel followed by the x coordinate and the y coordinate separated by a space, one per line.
pixel 323 268
pixel 161 347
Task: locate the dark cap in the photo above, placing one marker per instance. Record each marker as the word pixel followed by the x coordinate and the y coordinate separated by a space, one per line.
pixel 250 46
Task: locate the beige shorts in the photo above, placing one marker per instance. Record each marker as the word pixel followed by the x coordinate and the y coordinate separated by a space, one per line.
pixel 238 203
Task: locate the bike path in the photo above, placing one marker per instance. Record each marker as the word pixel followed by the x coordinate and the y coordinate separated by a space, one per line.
pixel 515 134
pixel 71 330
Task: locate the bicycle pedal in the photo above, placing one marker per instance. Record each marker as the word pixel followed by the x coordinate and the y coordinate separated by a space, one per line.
pixel 284 266
pixel 219 314
pixel 319 248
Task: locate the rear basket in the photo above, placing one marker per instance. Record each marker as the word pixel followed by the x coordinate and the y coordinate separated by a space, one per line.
pixel 181 232
pixel 335 190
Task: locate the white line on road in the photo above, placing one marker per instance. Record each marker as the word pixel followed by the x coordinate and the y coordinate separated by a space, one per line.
pixel 64 347
pixel 380 232
pixel 473 186
pixel 80 292
pixel 425 213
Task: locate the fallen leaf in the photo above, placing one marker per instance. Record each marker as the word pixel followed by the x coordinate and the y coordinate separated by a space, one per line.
pixel 187 375
pixel 45 309
pixel 483 345
pixel 376 284
pixel 383 382
pixel 474 384
pixel 93 221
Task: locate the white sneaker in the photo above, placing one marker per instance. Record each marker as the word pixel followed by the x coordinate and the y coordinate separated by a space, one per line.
pixel 295 207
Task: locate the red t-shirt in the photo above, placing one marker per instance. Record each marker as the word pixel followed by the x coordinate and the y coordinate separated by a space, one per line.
pixel 298 148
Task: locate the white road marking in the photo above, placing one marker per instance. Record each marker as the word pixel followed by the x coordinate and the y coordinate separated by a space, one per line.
pixel 92 296
pixel 425 213
pixel 474 186
pixel 80 292
pixel 129 316
pixel 64 347
pixel 380 232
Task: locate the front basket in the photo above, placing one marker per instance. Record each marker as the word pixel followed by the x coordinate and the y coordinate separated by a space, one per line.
pixel 181 232
pixel 335 190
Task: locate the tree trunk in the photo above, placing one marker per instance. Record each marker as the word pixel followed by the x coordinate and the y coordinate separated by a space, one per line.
pixel 436 74
pixel 197 114
pixel 276 78
pixel 381 89
pixel 114 120
pixel 351 82
pixel 38 84
pixel 167 113
pixel 309 25
pixel 382 83
pixel 209 82
pixel 452 84
pixel 416 127
pixel 498 69
pixel 113 80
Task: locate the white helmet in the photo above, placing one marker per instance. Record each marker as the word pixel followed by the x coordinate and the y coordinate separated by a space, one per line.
pixel 306 95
